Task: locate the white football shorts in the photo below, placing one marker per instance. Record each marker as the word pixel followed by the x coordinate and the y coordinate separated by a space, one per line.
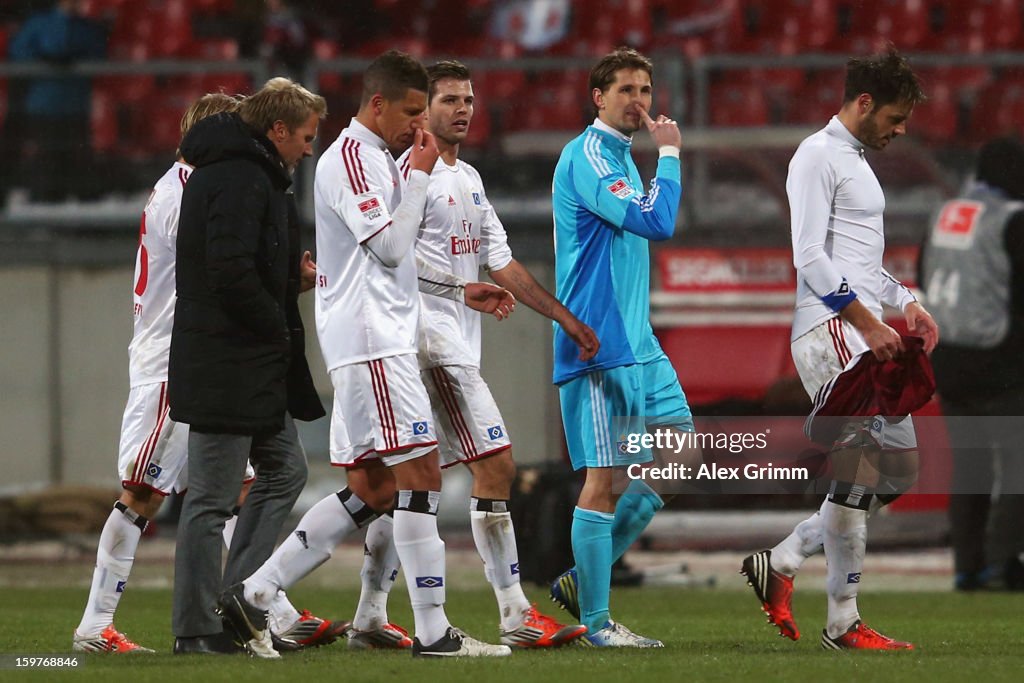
pixel 469 425
pixel 380 407
pixel 827 350
pixel 154 448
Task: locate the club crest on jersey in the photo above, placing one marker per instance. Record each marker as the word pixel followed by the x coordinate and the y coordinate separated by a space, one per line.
pixel 476 198
pixel 620 189
pixel 154 470
pixel 429 581
pixel 495 432
pixel 853 577
pixel 451 200
pixel 120 586
pixel 514 567
pixel 420 427
pixel 370 209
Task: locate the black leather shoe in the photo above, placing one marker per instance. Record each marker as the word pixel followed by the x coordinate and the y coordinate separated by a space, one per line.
pixel 216 644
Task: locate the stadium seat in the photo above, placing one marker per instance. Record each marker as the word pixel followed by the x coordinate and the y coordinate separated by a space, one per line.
pixel 870 25
pixel 415 46
pixel 131 90
pixel 614 22
pixel 937 121
pixel 818 100
pixel 696 27
pixel 551 101
pixel 788 27
pixel 104 122
pixel 977 27
pixel 213 49
pixel 212 6
pixel 738 104
pixel 327 81
pixel 998 110
pixel 780 86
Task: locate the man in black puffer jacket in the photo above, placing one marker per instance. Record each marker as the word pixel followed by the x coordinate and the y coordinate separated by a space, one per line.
pixel 238 372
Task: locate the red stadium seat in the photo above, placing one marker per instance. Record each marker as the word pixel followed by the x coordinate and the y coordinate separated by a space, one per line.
pixel 697 27
pixel 780 86
pixel 104 122
pixel 417 47
pixel 214 49
pixel 480 130
pixel 999 110
pixel 130 90
pixel 553 103
pixel 977 27
pixel 937 120
pixel 788 27
pixel 818 100
pixel 738 104
pixel 872 24
pixel 325 50
pixel 615 22
pixel 212 6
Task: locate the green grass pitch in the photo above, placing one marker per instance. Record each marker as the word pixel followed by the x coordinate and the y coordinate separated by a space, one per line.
pixel 710 635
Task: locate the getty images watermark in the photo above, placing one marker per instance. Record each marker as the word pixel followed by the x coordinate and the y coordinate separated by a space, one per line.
pixel 761 454
pixel 670 442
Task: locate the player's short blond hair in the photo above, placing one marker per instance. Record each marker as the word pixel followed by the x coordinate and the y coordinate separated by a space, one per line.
pixel 281 99
pixel 207 105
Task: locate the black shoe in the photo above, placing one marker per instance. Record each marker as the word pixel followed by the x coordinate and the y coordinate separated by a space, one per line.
pixel 217 644
pixel 248 620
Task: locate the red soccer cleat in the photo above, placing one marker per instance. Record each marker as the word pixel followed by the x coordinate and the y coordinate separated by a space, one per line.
pixel 774 590
pixel 539 630
pixel 862 637
pixel 111 641
pixel 312 631
pixel 387 637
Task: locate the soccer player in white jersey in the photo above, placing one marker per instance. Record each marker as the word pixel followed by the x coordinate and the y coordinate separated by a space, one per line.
pixel 153 450
pixel 460 233
pixel 367 309
pixel 836 206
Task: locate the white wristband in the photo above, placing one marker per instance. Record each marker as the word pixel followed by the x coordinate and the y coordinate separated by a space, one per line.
pixel 668 151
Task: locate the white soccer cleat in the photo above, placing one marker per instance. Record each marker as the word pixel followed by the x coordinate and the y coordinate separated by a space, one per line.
pixel 455 643
pixel 615 634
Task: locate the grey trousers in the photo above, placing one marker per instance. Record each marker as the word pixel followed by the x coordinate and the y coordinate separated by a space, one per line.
pixel 216 466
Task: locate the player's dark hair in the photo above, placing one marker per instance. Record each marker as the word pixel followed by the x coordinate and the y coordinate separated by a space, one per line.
pixel 1001 165
pixel 887 77
pixel 391 75
pixel 603 74
pixel 448 68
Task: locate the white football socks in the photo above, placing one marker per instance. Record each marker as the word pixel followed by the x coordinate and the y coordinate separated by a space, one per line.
pixel 805 541
pixel 319 531
pixel 114 559
pixel 845 541
pixel 282 614
pixel 421 552
pixel 380 568
pixel 495 540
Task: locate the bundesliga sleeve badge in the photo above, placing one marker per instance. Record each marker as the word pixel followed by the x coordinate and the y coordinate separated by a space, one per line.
pixel 620 189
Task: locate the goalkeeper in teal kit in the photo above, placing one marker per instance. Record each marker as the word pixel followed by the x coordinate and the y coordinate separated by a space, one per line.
pixel 603 223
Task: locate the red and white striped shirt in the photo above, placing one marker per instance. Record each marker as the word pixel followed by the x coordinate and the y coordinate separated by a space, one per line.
pixel 154 294
pixel 364 310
